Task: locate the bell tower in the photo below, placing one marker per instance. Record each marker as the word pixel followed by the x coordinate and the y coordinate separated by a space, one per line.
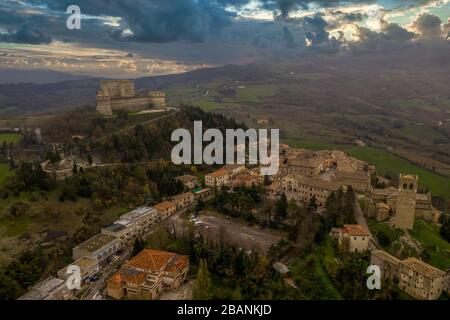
pixel 406 202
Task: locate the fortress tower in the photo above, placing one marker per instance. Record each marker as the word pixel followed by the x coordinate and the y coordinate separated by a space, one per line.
pixel 103 103
pixel 157 98
pixel 406 202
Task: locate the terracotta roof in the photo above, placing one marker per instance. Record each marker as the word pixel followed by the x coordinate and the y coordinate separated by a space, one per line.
pixel 164 205
pixel 156 260
pixel 423 268
pixel 383 255
pixel 183 195
pixel 150 261
pixel 314 182
pixel 218 173
pixel 355 230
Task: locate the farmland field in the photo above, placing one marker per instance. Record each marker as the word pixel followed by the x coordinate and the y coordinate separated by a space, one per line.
pixel 14 138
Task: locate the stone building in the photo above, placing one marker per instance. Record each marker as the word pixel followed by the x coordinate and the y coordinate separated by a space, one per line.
pixel 165 209
pixel 302 189
pixel 415 277
pixel 401 204
pixel 183 200
pixel 148 274
pixel 354 238
pixel 217 178
pixel 189 182
pixel 333 165
pixel 121 95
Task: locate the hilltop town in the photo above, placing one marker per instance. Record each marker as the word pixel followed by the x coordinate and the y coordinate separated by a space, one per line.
pixel 115 265
pixel 104 199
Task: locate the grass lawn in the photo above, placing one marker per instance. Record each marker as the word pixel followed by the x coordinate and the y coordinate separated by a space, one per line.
pixel 13 138
pixel 4 172
pixel 430 239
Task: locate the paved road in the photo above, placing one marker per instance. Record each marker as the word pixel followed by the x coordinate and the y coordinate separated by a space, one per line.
pixel 361 220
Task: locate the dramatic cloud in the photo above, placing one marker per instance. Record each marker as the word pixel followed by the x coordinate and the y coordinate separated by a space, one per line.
pixel 26 34
pixel 428 25
pixel 141 34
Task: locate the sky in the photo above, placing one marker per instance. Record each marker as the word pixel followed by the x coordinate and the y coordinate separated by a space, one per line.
pixel 134 38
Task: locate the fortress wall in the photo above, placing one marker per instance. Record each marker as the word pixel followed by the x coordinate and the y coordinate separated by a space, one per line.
pixel 131 104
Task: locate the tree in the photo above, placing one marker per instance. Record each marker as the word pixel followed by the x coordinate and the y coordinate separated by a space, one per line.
pixel 138 246
pixel 202 287
pixel 53 157
pixel 281 207
pixel 4 148
pixel 10 289
pixel 90 161
pixel 445 229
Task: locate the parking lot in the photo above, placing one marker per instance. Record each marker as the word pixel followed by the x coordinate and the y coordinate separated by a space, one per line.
pixel 236 232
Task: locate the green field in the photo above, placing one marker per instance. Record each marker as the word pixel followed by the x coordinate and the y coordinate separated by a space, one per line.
pixel 13 138
pixel 425 133
pixel 4 172
pixel 255 93
pixel 206 105
pixel 384 162
pixel 434 245
pixel 387 162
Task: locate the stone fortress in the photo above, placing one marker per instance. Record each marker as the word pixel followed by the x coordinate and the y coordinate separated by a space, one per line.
pixel 121 95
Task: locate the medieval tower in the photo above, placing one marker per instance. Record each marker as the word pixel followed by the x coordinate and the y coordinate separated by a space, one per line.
pixel 406 202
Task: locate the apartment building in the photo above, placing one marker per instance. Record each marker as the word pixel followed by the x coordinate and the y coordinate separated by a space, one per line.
pixel 217 178
pixel 88 268
pixel 132 224
pixel 183 200
pixel 413 276
pixel 203 193
pixel 100 247
pixel 234 169
pixel 165 209
pixel 48 289
pixel 148 274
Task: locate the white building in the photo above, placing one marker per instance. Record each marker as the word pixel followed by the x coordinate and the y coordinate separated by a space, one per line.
pixel 48 289
pixel 132 224
pixel 354 238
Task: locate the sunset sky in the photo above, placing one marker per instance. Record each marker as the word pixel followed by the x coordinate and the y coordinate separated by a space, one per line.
pixel 132 38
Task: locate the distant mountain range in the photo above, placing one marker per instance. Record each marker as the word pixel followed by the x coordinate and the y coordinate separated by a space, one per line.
pixel 8 76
